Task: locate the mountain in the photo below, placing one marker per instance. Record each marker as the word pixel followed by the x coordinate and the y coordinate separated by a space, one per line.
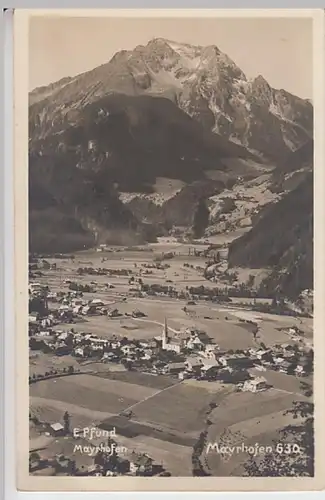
pixel 132 146
pixel 117 144
pixel 134 139
pixel 202 81
pixel 281 239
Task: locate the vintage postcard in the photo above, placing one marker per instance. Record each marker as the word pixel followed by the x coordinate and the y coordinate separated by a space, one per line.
pixel 169 325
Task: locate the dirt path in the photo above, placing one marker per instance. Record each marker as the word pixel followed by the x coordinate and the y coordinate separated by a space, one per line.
pixel 156 323
pixel 152 396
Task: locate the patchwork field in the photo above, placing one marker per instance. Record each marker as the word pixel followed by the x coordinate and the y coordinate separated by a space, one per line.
pixel 88 392
pixel 181 407
pixel 143 379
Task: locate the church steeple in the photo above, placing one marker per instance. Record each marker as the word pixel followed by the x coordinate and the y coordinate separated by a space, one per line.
pixel 165 335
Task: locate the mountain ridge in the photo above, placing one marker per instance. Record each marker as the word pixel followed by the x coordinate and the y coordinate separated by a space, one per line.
pixel 203 81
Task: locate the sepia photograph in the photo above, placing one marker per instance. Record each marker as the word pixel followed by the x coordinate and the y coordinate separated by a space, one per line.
pixel 170 294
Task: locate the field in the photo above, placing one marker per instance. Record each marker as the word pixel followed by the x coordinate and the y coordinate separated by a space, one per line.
pixel 182 408
pixel 220 322
pixel 246 419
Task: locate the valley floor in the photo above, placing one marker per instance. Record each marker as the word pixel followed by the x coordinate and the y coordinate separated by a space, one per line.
pixel 168 415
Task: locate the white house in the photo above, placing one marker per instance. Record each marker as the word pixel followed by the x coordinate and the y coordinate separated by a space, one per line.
pixel 128 349
pixel 33 317
pixel 56 429
pixel 97 302
pixel 256 385
pixel 79 351
pixel 300 370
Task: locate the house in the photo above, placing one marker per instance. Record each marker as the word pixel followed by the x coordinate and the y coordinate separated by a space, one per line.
pixel 174 368
pixel 301 369
pixel 262 354
pixel 44 333
pixel 138 314
pixel 147 354
pixel 79 352
pixel 33 317
pixel 89 310
pixel 92 146
pixel 46 322
pixel 210 366
pixel 128 349
pixel 63 336
pixel 56 429
pixel 211 347
pixel 255 385
pixel 113 314
pixel 144 343
pixel 195 343
pixel 278 360
pixel 35 288
pixel 193 363
pixel 284 366
pixel 109 356
pixel 96 302
pixel 236 361
pixel 141 464
pixel 240 361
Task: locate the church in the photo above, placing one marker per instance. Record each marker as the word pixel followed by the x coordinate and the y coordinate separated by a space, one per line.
pixel 171 344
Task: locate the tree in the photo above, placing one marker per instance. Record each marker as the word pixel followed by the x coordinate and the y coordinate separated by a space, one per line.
pixel 293 454
pixel 34 456
pixel 200 219
pixel 66 419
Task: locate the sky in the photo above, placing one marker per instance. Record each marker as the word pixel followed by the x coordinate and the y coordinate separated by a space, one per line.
pixel 280 49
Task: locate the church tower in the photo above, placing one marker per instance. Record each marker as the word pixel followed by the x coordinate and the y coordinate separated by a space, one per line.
pixel 165 335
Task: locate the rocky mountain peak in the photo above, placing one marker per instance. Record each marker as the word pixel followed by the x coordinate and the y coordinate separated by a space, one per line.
pixel 203 81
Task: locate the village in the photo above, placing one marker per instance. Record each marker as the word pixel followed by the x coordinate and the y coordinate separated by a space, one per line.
pixel 61 314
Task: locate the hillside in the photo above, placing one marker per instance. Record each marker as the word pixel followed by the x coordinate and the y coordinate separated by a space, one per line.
pixel 202 81
pixel 71 209
pixel 119 144
pixel 293 169
pixel 136 139
pixel 281 239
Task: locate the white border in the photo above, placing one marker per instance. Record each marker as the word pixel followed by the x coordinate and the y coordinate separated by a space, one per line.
pixel 8 275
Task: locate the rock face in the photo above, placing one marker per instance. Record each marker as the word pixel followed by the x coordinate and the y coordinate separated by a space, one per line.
pixel 202 81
